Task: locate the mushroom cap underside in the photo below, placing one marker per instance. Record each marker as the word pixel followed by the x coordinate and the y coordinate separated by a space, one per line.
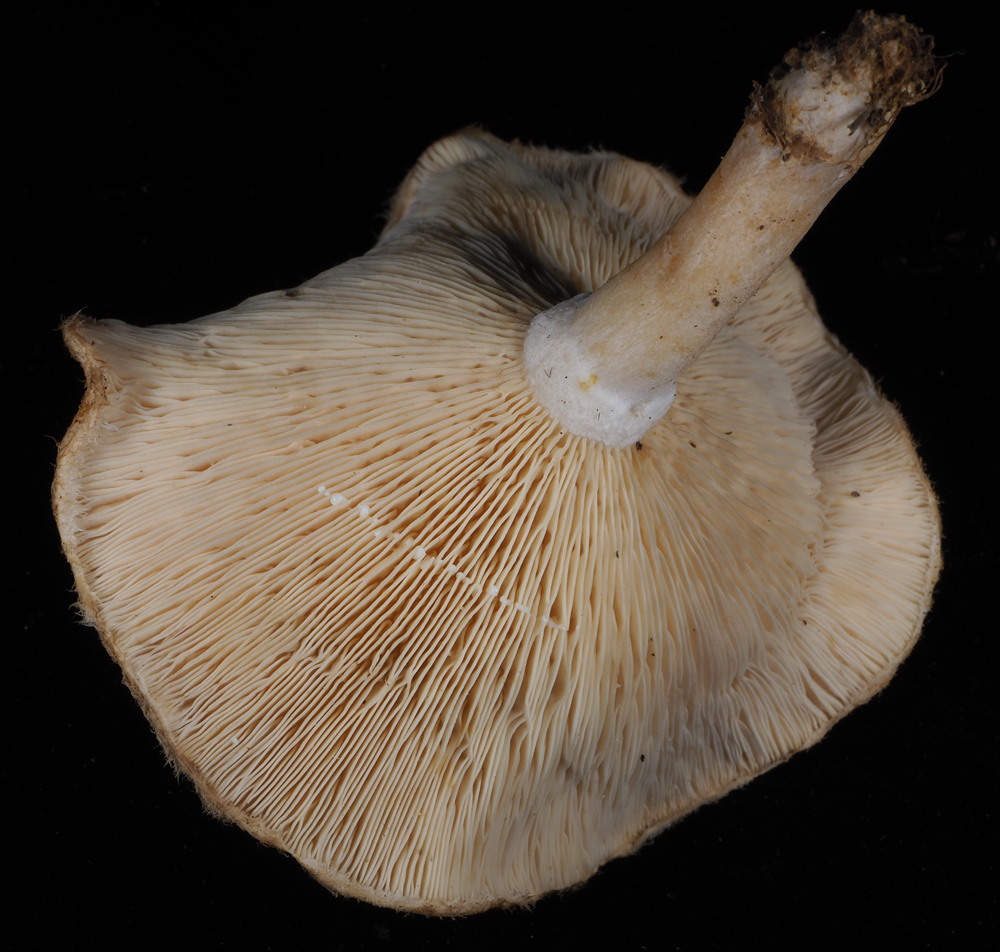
pixel 391 618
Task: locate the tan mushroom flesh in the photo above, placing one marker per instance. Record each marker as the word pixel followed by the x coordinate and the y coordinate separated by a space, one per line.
pixel 393 615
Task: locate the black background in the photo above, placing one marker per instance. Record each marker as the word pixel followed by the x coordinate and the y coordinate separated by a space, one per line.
pixel 164 162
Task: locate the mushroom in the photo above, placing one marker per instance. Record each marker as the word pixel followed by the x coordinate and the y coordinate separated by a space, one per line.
pixel 478 560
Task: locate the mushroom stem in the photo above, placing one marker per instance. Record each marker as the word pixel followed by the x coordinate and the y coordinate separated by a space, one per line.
pixel 606 365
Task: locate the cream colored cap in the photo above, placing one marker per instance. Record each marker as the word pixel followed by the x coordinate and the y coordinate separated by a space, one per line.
pixel 390 617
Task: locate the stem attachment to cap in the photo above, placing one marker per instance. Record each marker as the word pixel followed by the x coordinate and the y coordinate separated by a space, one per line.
pixel 606 365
